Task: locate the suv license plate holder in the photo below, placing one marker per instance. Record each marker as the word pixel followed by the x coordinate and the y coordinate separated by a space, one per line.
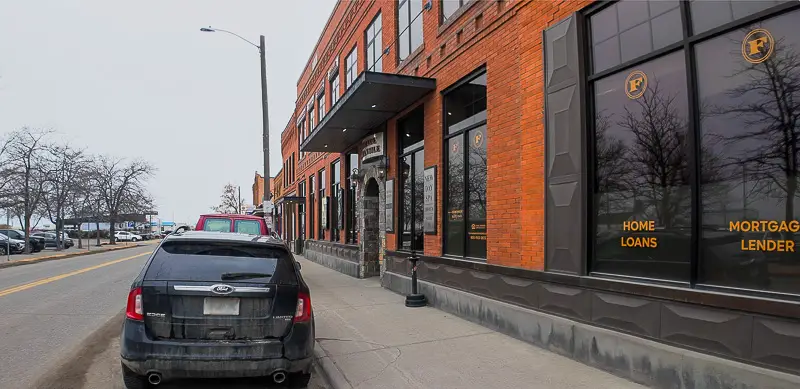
pixel 221 306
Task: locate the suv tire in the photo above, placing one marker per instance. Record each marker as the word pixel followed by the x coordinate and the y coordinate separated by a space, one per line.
pixel 298 380
pixel 133 380
pixel 134 239
pixel 2 250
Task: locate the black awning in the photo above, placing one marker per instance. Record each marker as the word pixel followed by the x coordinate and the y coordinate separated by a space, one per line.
pixel 373 99
pixel 290 199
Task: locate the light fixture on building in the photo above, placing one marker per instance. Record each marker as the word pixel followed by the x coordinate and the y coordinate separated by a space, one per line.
pixel 326 146
pixel 374 105
pixel 344 130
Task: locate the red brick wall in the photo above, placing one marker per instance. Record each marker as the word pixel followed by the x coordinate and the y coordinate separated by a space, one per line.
pixel 506 37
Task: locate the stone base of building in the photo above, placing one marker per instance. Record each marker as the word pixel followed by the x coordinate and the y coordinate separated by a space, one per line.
pixel 638 359
pixel 344 258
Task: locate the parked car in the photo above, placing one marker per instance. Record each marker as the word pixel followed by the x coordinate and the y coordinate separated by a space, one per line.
pixel 50 239
pixel 37 244
pixel 211 304
pixel 125 236
pixel 245 224
pixel 13 246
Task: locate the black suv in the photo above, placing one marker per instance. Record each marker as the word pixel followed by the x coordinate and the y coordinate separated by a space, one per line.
pixel 37 244
pixel 218 305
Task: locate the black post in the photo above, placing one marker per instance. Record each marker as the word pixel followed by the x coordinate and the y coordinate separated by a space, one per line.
pixel 415 300
pixel 262 48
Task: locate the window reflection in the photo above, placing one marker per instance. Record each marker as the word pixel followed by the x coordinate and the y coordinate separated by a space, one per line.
pixel 751 122
pixel 642 187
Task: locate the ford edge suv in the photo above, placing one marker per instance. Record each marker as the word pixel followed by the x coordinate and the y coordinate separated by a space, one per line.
pixel 218 305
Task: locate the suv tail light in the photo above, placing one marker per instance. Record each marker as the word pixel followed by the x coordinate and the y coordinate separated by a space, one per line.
pixel 303 312
pixel 134 311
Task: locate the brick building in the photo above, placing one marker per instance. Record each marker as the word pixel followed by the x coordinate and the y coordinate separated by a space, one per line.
pixel 577 174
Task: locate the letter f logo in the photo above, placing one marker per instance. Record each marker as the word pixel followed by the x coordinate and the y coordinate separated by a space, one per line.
pixel 635 84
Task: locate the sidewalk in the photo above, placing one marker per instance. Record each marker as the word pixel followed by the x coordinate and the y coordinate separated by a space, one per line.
pixel 367 338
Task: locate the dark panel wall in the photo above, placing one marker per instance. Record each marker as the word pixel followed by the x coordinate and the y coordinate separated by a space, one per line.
pixel 564 145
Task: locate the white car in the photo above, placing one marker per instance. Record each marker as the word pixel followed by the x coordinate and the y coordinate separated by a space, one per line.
pixel 125 236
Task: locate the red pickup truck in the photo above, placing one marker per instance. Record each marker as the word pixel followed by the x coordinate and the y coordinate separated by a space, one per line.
pixel 245 224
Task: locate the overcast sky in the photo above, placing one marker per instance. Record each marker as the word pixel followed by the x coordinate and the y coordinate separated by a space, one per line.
pixel 138 79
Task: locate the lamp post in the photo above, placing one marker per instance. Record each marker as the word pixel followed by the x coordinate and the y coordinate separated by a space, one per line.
pixel 264 113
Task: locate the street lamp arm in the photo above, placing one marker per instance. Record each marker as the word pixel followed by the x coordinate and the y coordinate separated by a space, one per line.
pixel 236 35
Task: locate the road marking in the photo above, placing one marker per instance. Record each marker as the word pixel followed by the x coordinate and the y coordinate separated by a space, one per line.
pixel 48 280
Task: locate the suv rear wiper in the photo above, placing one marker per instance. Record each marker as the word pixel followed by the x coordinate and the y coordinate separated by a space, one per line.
pixel 241 276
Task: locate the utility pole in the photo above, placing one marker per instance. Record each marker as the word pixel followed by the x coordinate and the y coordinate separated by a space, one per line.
pixel 265 119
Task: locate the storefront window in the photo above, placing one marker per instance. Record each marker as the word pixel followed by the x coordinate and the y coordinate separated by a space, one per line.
pixel 323 206
pixel 750 128
pixel 412 164
pixel 301 210
pixel 351 217
pixel 643 188
pixel 336 200
pixel 311 206
pixel 466 171
pixel 738 170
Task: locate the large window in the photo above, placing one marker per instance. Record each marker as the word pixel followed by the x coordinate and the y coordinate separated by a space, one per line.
pixel 449 7
pixel 411 131
pixel 374 45
pixel 336 200
pixel 465 179
pixel 323 205
pixel 321 105
pixel 311 117
pixel 697 152
pixel 335 88
pixel 301 210
pixel 409 27
pixel 311 207
pixel 351 217
pixel 301 132
pixel 350 68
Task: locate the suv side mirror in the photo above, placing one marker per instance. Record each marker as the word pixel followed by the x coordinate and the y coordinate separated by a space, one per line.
pixel 298 265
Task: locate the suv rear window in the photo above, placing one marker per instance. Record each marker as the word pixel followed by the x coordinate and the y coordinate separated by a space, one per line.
pixel 208 261
pixel 217 225
pixel 251 227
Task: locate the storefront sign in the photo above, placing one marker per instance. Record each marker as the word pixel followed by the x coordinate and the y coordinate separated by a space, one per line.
pixel 324 213
pixel 639 241
pixel 767 229
pixel 636 84
pixel 389 210
pixel 372 147
pixel 429 219
pixel 757 46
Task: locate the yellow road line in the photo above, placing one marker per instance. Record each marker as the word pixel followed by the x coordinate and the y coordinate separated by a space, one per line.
pixel 6 292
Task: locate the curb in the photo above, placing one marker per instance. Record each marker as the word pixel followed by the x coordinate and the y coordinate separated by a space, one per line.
pixel 332 374
pixel 30 261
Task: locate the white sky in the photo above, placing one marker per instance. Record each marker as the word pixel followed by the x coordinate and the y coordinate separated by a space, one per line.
pixel 138 79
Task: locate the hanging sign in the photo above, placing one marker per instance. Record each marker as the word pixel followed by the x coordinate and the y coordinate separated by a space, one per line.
pixel 372 147
pixel 429 204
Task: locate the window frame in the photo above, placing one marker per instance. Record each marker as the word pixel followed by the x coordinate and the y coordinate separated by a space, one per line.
pixel 371 42
pixel 334 88
pixel 351 67
pixel 400 182
pixel 587 79
pixel 400 29
pixel 446 136
pixel 443 19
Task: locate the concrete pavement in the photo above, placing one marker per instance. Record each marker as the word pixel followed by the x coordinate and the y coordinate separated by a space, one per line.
pixel 367 338
pixel 48 308
pixel 60 324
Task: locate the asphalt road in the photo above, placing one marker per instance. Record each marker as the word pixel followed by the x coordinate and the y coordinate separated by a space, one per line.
pixel 60 323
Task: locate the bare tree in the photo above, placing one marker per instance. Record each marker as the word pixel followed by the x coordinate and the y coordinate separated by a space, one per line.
pixel 65 169
pixel 768 104
pixel 24 162
pixel 229 200
pixel 120 187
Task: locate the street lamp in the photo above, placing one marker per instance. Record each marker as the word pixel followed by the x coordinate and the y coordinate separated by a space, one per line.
pixel 264 111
